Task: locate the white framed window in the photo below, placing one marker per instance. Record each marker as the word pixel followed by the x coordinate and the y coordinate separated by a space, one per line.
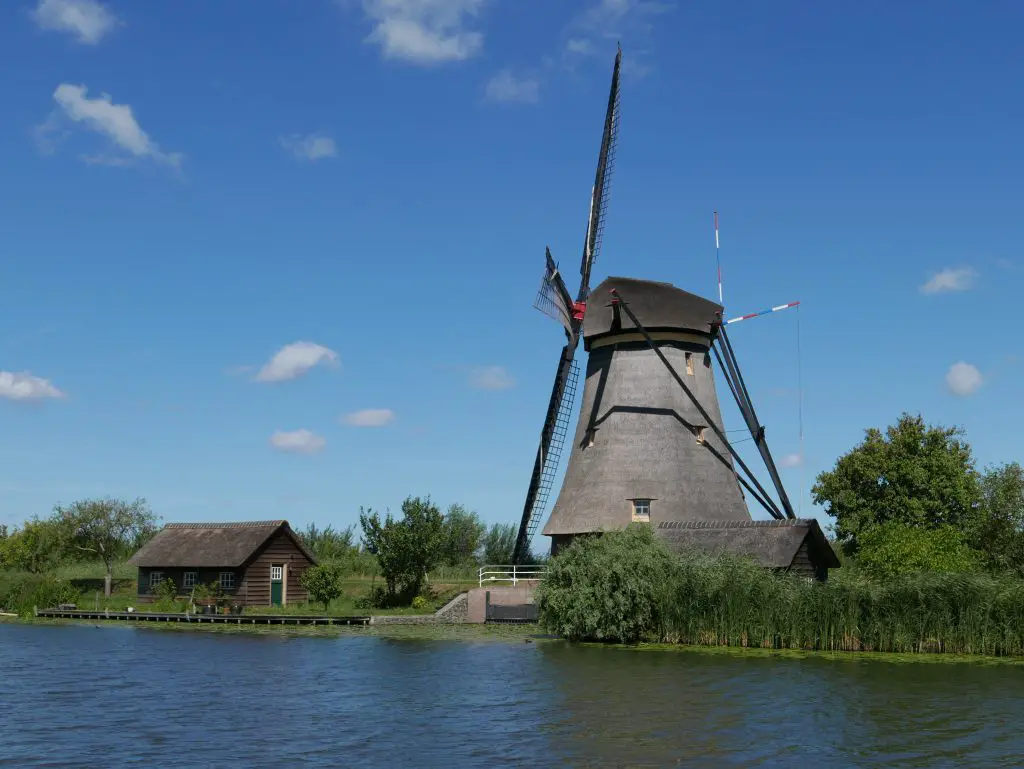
pixel 641 510
pixel 227 580
pixel 689 363
pixel 155 578
pixel 189 579
pixel 276 573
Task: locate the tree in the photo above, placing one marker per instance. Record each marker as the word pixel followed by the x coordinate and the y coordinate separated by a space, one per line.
pixel 105 526
pixel 499 544
pixel 407 548
pixel 893 549
pixel 914 474
pixel 328 544
pixel 323 582
pixel 38 546
pixel 999 530
pixel 463 532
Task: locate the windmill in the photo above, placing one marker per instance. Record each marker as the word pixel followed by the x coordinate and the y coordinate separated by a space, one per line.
pixel 649 443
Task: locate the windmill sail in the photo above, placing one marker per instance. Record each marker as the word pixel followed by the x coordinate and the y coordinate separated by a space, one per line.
pixel 599 195
pixel 553 298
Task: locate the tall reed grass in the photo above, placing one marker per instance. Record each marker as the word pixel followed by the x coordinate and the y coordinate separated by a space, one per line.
pixel 624 582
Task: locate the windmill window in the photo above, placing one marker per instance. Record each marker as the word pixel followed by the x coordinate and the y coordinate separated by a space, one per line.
pixel 689 363
pixel 641 511
pixel 701 434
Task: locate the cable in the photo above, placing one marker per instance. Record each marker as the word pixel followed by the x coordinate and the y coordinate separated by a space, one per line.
pixel 800 409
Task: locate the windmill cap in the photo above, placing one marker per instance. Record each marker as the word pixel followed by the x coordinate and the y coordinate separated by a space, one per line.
pixel 659 306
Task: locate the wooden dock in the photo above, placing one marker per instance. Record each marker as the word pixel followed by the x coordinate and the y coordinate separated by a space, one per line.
pixel 207 619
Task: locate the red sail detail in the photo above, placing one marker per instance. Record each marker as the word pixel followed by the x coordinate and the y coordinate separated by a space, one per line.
pixel 578 309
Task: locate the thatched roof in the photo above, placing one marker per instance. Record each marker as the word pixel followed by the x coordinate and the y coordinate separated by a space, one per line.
pixel 772 544
pixel 211 545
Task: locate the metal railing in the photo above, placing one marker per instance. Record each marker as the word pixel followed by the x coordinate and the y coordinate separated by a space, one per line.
pixel 511 574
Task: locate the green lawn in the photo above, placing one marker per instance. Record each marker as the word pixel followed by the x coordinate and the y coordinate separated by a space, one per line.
pixel 88 577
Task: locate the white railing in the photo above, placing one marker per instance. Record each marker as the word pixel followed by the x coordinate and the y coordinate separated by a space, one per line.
pixel 511 574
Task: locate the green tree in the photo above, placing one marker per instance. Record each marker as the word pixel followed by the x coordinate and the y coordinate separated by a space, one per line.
pixel 406 549
pixel 329 544
pixel 38 546
pixel 323 582
pixel 105 527
pixel 615 587
pixel 913 474
pixel 894 549
pixel 499 543
pixel 462 535
pixel 999 529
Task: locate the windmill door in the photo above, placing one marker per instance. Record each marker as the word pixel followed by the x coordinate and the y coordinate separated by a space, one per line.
pixel 276 585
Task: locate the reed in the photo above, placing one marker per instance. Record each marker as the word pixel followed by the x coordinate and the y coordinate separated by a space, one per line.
pixel 728 601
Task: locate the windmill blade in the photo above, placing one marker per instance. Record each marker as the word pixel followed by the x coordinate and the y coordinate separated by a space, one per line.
pixel 553 298
pixel 599 195
pixel 549 452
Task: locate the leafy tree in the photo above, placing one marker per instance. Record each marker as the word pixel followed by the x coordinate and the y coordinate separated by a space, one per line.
pixel 105 526
pixel 462 535
pixel 499 544
pixel 323 582
pixel 407 548
pixel 913 474
pixel 893 549
pixel 38 546
pixel 329 544
pixel 615 587
pixel 999 529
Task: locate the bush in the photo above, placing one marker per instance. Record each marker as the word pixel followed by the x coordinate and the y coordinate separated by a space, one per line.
pixel 323 583
pixel 419 602
pixel 19 593
pixel 615 587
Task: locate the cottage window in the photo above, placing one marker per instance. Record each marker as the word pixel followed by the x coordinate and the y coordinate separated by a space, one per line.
pixel 155 578
pixel 641 511
pixel 689 363
pixel 189 579
pixel 276 573
pixel 227 580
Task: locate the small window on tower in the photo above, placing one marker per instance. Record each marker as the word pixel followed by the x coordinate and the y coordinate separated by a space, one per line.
pixel 700 434
pixel 641 511
pixel 689 363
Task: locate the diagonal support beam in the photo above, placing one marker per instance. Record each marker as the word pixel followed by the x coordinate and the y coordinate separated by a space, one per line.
pixel 746 406
pixel 776 513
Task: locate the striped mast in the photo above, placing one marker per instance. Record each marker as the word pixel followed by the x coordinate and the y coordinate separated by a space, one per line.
pixel 763 312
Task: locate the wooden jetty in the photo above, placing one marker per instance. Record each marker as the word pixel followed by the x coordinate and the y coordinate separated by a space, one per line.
pixel 210 619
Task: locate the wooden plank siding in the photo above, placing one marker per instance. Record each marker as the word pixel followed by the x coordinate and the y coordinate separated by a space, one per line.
pixel 204 577
pixel 255 583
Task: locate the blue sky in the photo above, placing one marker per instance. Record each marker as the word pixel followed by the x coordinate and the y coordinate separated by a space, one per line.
pixel 190 189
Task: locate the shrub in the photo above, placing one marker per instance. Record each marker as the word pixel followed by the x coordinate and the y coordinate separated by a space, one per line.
pixel 21 592
pixel 419 602
pixel 614 587
pixel 323 582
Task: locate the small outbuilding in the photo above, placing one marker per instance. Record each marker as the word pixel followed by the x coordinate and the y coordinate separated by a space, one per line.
pixel 257 563
pixel 798 546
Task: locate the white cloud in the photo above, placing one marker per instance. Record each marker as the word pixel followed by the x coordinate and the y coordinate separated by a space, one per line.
pixel 23 386
pixel 425 31
pixel 791 460
pixel 312 147
pixel 491 378
pixel 963 379
pixel 505 87
pixel 297 441
pixel 89 21
pixel 959 279
pixel 596 29
pixel 369 418
pixel 115 121
pixel 295 359
pixel 576 45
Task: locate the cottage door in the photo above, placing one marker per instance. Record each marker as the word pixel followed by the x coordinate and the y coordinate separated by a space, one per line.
pixel 276 585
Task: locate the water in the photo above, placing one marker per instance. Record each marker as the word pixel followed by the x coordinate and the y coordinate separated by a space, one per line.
pixel 77 696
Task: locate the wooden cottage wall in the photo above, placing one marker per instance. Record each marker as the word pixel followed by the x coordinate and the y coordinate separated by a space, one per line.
pixel 255 585
pixel 803 562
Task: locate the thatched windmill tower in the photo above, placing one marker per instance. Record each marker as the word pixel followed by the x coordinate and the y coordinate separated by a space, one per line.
pixel 649 443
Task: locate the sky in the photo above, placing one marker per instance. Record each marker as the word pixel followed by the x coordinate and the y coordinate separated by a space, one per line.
pixel 277 260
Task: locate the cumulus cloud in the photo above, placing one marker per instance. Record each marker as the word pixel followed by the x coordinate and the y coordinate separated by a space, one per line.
pixel 297 441
pixel 960 279
pixel 505 87
pixel 963 379
pixel 369 418
pixel 294 360
pixel 605 21
pixel 791 460
pixel 425 31
pixel 23 386
pixel 312 147
pixel 89 21
pixel 114 121
pixel 491 378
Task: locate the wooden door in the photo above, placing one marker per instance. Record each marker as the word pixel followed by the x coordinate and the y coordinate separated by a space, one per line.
pixel 277 585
